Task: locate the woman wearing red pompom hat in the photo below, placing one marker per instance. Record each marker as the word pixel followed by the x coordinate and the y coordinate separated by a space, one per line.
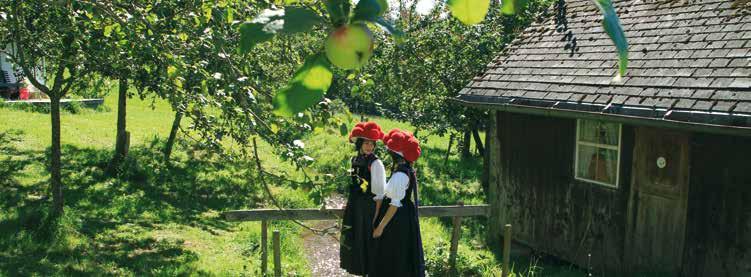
pixel 397 248
pixel 365 194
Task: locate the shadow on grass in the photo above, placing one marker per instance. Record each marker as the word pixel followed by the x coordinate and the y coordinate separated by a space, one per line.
pixel 107 223
pixel 149 191
pixel 12 162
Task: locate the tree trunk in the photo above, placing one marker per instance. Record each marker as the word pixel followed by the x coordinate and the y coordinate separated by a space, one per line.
pixel 121 147
pixel 172 135
pixel 448 151
pixel 466 143
pixel 478 141
pixel 57 183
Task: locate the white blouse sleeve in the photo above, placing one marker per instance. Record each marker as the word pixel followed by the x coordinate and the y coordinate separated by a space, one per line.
pixel 396 188
pixel 377 179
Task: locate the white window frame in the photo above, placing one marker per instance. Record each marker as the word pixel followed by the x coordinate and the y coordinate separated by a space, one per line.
pixel 606 146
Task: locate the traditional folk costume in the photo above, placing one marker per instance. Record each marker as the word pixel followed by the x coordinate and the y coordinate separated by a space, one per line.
pixel 367 187
pixel 398 251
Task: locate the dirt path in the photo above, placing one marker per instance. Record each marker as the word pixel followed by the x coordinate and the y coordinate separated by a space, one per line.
pixel 323 251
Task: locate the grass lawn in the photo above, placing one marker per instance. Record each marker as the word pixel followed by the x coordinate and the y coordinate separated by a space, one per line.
pixel 159 219
pixel 154 220
pixel 90 128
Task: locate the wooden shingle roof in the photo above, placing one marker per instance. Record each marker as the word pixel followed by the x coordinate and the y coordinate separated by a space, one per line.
pixel 690 61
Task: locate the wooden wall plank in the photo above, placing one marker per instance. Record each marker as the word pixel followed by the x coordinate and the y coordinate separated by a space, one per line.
pixel 718 234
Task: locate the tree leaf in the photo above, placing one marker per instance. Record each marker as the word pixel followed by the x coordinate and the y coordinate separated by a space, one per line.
pixel 338 11
pixel 271 22
pixel 171 71
pixel 389 28
pixel 469 12
pixel 108 30
pixel 306 88
pixel 299 19
pixel 343 130
pixel 207 9
pixel 252 34
pixel 230 15
pixel 612 26
pixel 366 10
pixel 510 7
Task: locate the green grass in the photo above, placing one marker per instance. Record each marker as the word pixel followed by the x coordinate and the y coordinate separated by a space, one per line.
pixel 154 219
pixel 91 128
pixel 163 219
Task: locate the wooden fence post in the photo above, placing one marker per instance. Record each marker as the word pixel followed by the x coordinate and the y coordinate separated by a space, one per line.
pixel 506 249
pixel 264 247
pixel 457 220
pixel 277 255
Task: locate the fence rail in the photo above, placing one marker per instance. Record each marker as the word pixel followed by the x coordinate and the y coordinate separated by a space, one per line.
pixel 332 214
pixel 266 215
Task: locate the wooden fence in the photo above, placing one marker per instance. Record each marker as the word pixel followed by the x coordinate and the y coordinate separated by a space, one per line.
pixel 265 215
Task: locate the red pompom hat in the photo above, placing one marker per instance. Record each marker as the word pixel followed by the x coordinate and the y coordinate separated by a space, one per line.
pixel 404 144
pixel 366 130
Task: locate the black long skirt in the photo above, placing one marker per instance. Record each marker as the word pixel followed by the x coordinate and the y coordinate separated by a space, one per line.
pixel 357 233
pixel 398 252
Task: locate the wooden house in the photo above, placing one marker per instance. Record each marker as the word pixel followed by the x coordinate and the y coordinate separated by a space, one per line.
pixel 649 174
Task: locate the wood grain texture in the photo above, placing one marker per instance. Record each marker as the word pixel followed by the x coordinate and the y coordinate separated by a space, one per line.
pixel 316 214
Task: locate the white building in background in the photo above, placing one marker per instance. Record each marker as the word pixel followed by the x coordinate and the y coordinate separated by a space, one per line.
pixel 6 69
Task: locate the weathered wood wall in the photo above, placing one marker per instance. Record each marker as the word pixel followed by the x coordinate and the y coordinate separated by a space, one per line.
pixel 718 235
pixel 533 188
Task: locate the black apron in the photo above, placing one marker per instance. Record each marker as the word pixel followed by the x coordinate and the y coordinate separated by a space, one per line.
pixel 399 252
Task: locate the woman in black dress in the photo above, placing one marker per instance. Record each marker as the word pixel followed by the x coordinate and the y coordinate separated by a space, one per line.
pixel 365 194
pixel 397 246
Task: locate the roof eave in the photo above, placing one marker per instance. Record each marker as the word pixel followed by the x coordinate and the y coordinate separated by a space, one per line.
pixel 628 115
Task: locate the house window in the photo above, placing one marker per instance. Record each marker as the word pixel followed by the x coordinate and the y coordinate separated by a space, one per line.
pixel 598 152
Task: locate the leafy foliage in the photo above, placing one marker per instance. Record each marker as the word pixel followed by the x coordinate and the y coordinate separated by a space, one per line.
pixel 467 11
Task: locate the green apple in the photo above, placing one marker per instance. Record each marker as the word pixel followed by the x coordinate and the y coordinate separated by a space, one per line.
pixel 349 46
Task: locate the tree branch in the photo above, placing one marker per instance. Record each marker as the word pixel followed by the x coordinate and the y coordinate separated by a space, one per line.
pixel 326 231
pixel 19 45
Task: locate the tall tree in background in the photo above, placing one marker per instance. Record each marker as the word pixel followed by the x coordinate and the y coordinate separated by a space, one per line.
pixel 113 52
